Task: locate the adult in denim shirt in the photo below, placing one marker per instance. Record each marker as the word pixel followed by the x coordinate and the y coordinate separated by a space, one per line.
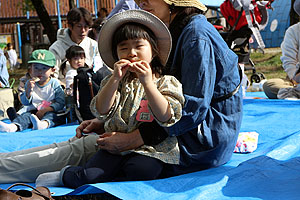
pixel 208 130
pixel 207 69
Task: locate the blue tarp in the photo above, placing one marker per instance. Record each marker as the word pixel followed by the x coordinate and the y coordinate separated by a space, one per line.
pixel 271 172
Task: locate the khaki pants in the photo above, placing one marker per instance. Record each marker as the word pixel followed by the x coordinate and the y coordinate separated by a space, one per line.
pixel 272 86
pixel 26 165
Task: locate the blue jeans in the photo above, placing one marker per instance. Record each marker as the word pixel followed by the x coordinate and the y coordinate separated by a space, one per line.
pixel 23 121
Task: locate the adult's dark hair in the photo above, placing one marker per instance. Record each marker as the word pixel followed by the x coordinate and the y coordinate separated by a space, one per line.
pixel 97 25
pixel 104 10
pixel 131 31
pixel 76 14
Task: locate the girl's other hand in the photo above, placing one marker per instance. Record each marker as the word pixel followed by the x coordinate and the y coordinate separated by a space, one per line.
pixel 143 71
pixel 120 68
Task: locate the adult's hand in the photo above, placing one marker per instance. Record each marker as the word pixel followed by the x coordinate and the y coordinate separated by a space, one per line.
pixel 116 142
pixel 90 126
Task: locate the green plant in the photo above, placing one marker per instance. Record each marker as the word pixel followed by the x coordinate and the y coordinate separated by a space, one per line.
pixel 268 64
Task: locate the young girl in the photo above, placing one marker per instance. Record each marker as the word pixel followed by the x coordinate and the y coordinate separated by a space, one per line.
pixel 76 58
pixel 42 98
pixel 135 93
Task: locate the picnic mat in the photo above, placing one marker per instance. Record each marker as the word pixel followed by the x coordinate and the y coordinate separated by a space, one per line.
pixel 272 171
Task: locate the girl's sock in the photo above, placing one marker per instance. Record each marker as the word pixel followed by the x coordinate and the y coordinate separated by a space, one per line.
pixel 38 124
pixel 8 127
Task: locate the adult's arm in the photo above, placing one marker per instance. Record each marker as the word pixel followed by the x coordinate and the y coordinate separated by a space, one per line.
pixel 290 50
pixel 148 133
pixel 59 55
pixel 4 75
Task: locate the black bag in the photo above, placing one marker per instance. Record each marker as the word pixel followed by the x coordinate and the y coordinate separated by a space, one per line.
pixel 86 85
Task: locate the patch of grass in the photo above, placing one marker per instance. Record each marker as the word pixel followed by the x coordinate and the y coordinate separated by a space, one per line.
pixel 268 64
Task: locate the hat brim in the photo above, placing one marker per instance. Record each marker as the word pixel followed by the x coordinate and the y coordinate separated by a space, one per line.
pixel 145 18
pixel 41 62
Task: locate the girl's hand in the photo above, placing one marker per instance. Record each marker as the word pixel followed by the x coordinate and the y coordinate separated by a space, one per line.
pixel 143 71
pixel 120 68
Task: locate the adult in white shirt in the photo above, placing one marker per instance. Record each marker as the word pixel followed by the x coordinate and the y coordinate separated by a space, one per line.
pixel 290 62
pixel 79 22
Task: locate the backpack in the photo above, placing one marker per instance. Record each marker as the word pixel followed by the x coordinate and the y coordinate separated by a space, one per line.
pixel 85 86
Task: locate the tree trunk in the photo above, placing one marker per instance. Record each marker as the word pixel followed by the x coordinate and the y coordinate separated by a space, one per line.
pixel 72 4
pixel 45 19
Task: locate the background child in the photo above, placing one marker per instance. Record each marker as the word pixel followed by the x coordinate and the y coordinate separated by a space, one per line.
pixel 12 56
pixel 136 45
pixel 76 58
pixel 42 98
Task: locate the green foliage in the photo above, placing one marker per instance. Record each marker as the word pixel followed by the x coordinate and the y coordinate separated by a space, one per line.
pixel 26 5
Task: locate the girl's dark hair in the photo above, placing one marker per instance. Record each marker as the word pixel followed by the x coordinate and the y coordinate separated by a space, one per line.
pixel 72 51
pixel 131 31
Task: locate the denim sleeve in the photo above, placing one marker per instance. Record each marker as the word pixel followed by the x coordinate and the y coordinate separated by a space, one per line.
pixel 198 80
pixel 59 102
pixel 24 100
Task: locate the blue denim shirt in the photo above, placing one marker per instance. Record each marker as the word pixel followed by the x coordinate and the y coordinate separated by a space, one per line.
pixel 122 6
pixel 207 132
